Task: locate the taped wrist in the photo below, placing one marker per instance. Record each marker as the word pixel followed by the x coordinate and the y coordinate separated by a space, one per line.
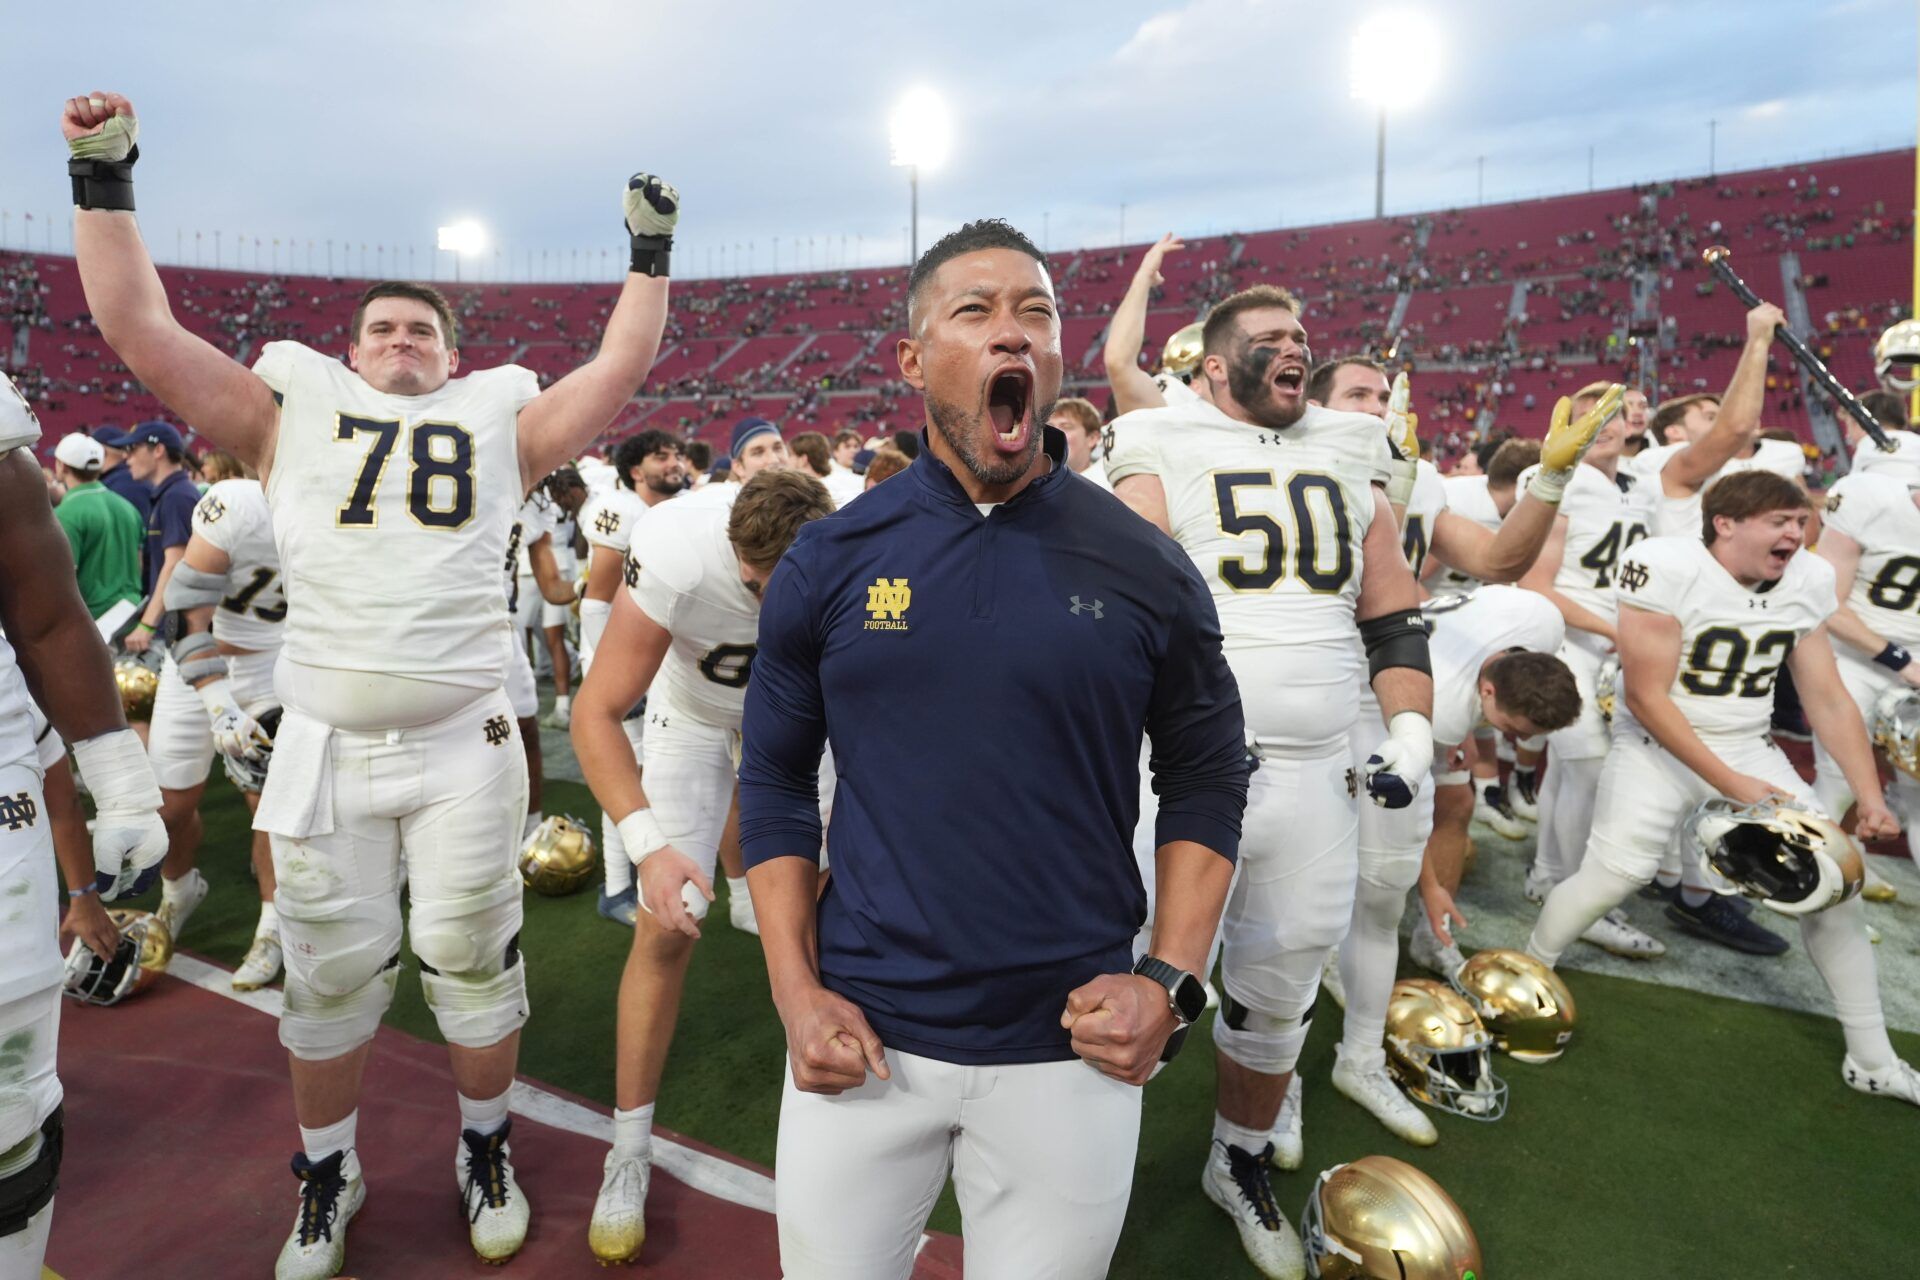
pixel 650 255
pixel 115 768
pixel 103 184
pixel 1401 474
pixel 1893 657
pixel 594 615
pixel 1550 486
pixel 641 834
pixel 199 659
pixel 1396 640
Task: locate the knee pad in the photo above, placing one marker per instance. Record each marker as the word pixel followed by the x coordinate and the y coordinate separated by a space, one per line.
pixel 477 1008
pixel 473 933
pixel 317 1023
pixel 30 1186
pixel 1259 1041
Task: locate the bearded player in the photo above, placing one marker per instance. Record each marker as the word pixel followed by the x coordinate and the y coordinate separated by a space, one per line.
pixel 683 637
pixel 217 682
pixel 393 486
pixel 61 665
pixel 1278 503
pixel 1705 626
pixel 1871 537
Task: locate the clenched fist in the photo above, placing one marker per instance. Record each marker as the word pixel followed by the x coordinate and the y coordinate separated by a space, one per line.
pixel 100 126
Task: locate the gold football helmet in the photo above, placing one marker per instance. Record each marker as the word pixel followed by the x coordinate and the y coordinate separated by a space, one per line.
pixel 558 858
pixel 137 683
pixel 1382 1219
pixel 145 951
pixel 1181 356
pixel 1896 728
pixel 1896 356
pixel 1606 687
pixel 1438 1051
pixel 1794 860
pixel 1522 1002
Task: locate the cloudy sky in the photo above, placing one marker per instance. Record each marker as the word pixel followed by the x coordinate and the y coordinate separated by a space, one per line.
pixel 374 123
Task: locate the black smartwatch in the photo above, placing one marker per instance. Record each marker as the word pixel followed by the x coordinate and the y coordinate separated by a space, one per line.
pixel 1185 996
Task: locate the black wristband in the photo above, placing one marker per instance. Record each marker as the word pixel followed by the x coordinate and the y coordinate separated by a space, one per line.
pixel 650 255
pixel 104 184
pixel 1893 657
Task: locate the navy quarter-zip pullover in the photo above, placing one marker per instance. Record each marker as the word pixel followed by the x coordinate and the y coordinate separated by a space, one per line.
pixel 984 683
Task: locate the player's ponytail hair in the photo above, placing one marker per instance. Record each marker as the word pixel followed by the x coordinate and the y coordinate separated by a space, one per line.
pixel 769 512
pixel 1538 686
pixel 1746 494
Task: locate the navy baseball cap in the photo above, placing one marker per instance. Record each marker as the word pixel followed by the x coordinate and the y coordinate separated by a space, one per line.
pixel 748 429
pixel 109 436
pixel 149 433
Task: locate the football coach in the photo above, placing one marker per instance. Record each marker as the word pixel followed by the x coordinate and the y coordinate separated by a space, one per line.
pixel 982 639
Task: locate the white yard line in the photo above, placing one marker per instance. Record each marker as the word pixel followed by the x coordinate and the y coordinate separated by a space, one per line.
pixel 706 1174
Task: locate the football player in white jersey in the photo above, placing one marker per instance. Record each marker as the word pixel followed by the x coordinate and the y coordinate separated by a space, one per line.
pixel 544 614
pixel 1493 663
pixel 1605 512
pixel 1279 504
pixel 532 543
pixel 52 648
pixel 215 688
pixel 1704 629
pixel 393 486
pixel 1871 537
pixel 684 636
pixel 1714 433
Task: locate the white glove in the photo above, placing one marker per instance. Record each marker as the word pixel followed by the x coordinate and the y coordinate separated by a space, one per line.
pixel 1404 442
pixel 236 735
pixel 1397 767
pixel 129 840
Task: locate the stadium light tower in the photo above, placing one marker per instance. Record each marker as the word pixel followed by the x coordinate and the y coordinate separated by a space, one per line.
pixel 918 134
pixel 1395 65
pixel 462 238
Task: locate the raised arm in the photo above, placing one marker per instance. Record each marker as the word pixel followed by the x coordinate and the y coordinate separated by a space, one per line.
pixel 1738 424
pixel 559 423
pixel 1127 332
pixel 224 401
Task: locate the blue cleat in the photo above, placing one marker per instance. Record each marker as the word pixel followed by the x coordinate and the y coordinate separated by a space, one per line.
pixel 623 907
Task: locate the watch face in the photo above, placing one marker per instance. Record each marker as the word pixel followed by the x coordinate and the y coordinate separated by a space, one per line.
pixel 1190 998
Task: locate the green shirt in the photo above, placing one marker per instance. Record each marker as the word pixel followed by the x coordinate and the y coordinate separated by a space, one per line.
pixel 107 534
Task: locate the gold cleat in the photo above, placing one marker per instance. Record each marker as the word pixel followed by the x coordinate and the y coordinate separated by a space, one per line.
pixel 619 1225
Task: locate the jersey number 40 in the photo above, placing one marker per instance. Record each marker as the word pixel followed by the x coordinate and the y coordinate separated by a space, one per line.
pixel 1322 533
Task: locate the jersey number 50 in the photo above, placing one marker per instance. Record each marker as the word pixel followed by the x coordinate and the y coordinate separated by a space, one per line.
pixel 440 451
pixel 1320 526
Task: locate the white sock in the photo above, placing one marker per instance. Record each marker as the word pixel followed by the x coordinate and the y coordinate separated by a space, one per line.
pixel 1573 906
pixel 633 1133
pixel 1483 785
pixel 737 888
pixel 1836 942
pixel 1251 1141
pixel 170 889
pixel 1369 959
pixel 323 1142
pixel 483 1116
pixel 269 921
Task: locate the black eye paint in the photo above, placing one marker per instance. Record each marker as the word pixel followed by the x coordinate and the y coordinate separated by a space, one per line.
pixel 1247 374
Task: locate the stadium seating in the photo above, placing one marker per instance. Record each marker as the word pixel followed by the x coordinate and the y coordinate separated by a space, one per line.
pixel 1506 307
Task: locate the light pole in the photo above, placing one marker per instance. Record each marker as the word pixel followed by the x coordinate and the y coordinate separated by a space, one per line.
pixel 462 237
pixel 1395 63
pixel 918 133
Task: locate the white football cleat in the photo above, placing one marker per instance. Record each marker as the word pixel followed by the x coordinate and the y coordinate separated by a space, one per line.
pixel 179 899
pixel 1287 1138
pixel 1379 1096
pixel 331 1192
pixel 619 1225
pixel 740 913
pixel 558 718
pixel 1538 886
pixel 1490 809
pixel 1425 949
pixel 1236 1181
pixel 1895 1081
pixel 262 964
pixel 497 1212
pixel 1520 804
pixel 1613 932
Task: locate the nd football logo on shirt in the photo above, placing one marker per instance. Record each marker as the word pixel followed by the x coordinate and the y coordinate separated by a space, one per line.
pixel 887 600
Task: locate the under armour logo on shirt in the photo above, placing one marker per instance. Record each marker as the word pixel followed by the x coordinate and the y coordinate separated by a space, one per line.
pixel 1097 608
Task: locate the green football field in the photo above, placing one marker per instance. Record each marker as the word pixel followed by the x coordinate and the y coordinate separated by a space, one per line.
pixel 1682 1135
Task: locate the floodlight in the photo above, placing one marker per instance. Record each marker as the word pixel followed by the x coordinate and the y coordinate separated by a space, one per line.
pixel 463 237
pixel 919 130
pixel 1396 59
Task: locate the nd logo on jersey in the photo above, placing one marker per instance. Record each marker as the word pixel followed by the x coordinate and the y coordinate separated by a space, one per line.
pixel 887 600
